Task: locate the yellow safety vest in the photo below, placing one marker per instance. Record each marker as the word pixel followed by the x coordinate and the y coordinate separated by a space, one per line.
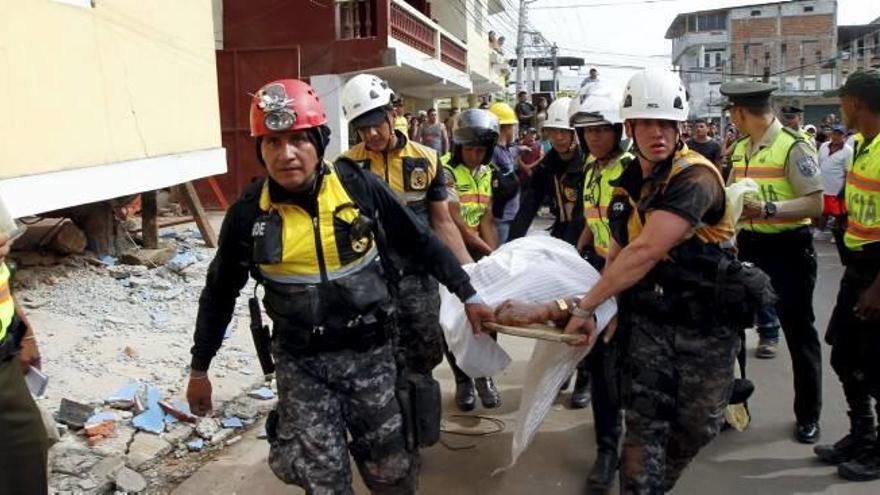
pixel 720 233
pixel 597 196
pixel 863 195
pixel 319 249
pixel 767 168
pixel 401 124
pixel 7 307
pixel 408 170
pixel 474 195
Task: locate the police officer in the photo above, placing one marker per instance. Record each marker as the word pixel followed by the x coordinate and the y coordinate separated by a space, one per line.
pixel 600 129
pixel 793 118
pixel 312 235
pixel 852 331
pixel 469 173
pixel 775 233
pixel 23 442
pixel 414 172
pixel 669 221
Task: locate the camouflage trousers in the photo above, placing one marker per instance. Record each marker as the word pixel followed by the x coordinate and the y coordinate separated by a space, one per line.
pixel 679 380
pixel 321 400
pixel 420 338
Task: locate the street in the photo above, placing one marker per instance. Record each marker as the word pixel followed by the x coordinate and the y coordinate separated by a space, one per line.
pixel 764 459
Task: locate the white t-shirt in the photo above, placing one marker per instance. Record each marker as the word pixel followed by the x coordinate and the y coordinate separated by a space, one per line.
pixel 834 167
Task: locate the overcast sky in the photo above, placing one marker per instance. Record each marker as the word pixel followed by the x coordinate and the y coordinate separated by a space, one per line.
pixel 610 33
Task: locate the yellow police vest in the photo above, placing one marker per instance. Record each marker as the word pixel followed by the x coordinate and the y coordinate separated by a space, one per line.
pixel 863 195
pixel 474 195
pixel 720 233
pixel 408 170
pixel 7 307
pixel 767 168
pixel 321 248
pixel 597 196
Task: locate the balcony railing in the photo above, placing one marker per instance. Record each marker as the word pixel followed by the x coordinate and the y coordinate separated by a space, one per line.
pixel 413 31
pixel 356 19
pixel 452 54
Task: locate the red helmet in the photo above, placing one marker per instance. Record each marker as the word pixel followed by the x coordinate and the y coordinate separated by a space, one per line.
pixel 285 105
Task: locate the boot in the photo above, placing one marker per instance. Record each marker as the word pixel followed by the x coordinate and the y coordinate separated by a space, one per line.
pixel 464 395
pixel 580 396
pixel 489 395
pixel 866 467
pixel 602 475
pixel 861 438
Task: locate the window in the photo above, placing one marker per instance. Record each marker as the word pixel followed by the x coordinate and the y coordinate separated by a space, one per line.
pixel 755 13
pixel 692 24
pixel 712 22
pixel 717 59
pixel 707 60
pixel 783 48
pixel 808 8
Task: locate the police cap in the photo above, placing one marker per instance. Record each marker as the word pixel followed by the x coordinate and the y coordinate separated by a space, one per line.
pixel 790 110
pixel 747 94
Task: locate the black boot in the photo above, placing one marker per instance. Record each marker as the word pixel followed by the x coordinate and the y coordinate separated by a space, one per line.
pixel 580 396
pixel 866 467
pixel 489 395
pixel 464 395
pixel 601 477
pixel 861 437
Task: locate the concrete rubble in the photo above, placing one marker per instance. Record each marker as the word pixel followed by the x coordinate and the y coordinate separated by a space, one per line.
pixel 115 341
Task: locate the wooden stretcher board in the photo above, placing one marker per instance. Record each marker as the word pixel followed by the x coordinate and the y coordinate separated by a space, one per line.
pixel 540 332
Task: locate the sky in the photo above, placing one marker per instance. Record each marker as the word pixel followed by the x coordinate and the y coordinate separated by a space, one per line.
pixel 628 32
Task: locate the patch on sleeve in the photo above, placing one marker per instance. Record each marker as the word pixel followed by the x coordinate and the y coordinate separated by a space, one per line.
pixel 808 166
pixel 449 179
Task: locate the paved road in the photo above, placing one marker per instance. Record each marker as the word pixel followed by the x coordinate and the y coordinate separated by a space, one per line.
pixel 762 460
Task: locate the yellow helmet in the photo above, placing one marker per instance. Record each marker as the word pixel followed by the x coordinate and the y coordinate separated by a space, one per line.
pixel 505 114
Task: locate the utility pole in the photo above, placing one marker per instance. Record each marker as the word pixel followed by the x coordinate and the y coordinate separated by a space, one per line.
pixel 554 51
pixel 520 44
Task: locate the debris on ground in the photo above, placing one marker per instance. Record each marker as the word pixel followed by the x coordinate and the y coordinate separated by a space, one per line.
pixel 262 393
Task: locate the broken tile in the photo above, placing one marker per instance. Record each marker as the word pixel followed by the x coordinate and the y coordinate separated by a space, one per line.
pixel 262 393
pixel 195 445
pixel 179 410
pixel 74 414
pixel 232 422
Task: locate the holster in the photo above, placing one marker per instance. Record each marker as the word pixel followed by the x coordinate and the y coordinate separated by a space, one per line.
pixel 419 397
pixel 10 344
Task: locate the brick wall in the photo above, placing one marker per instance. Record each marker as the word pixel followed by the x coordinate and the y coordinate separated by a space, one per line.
pixel 759 34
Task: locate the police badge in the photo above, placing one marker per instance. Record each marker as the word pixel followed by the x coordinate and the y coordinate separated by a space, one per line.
pixel 418 179
pixel 807 166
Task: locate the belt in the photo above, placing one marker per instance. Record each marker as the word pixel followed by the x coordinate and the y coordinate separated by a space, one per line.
pixel 360 333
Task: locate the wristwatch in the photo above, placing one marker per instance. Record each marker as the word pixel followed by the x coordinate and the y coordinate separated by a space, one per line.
pixel 769 209
pixel 562 305
pixel 581 313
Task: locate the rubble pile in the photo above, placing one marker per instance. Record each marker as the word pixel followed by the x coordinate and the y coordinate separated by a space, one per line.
pixel 115 341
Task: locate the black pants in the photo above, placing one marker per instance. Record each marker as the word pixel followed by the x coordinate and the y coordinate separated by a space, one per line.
pixel 607 413
pixel 854 342
pixel 23 440
pixel 790 261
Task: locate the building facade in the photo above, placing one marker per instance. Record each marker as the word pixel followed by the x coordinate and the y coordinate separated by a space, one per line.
pixel 791 44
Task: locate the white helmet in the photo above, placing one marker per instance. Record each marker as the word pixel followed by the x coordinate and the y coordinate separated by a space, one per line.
pixel 364 92
pixel 655 94
pixel 557 115
pixel 599 107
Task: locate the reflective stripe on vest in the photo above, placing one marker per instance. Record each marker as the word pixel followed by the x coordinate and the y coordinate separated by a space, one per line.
pixel 720 233
pixel 474 196
pixel 7 307
pixel 409 170
pixel 597 197
pixel 767 168
pixel 311 246
pixel 863 195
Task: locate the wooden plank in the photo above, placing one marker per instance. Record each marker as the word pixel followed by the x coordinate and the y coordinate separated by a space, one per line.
pixel 218 193
pixel 540 332
pixel 194 204
pixel 149 225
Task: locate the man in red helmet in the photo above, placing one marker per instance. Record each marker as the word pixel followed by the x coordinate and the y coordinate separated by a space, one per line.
pixel 310 235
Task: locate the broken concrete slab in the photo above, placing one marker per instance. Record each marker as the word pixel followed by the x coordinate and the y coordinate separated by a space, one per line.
pixel 104 472
pixel 69 239
pixel 117 444
pixel 148 257
pixel 221 436
pixel 74 414
pixel 129 481
pixel 178 433
pixel 207 428
pixel 145 449
pixel 244 408
pixel 181 261
pixel 70 456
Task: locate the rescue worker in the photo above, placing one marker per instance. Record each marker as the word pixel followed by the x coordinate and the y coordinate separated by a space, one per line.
pixel 505 184
pixel 414 172
pixel 559 177
pixel 775 233
pixel 852 331
pixel 670 223
pixel 23 443
pixel 600 128
pixel 469 182
pixel 314 235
